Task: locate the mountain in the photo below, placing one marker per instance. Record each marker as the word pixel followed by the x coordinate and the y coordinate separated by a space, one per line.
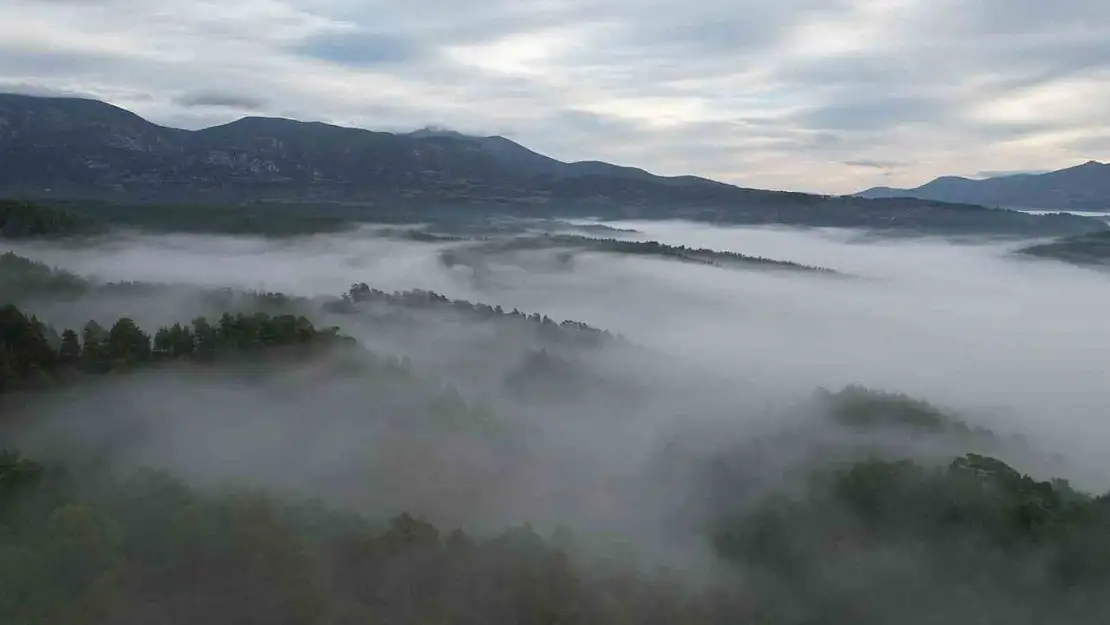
pixel 1084 187
pixel 70 148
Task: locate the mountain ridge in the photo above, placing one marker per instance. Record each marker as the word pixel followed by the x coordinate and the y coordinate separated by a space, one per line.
pixel 1083 187
pixel 73 148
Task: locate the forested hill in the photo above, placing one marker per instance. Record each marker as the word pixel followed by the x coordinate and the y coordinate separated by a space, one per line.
pixel 1086 249
pixel 896 490
pixel 89 545
pixel 75 148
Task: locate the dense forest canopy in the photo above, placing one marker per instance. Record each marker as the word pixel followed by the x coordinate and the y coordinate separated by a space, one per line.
pixel 24 220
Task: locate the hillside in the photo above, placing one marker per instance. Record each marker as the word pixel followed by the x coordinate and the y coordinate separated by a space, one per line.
pixel 67 148
pixel 1084 187
pixel 1085 249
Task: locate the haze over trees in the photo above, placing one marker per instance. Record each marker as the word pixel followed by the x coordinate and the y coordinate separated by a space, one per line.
pixel 370 489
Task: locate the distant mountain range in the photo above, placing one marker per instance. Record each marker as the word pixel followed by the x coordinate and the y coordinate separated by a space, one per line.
pixel 1084 187
pixel 71 148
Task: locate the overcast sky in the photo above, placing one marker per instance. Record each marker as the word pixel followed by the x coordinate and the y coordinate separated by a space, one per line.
pixel 815 95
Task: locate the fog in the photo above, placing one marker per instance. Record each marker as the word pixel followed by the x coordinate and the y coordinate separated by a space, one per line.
pixel 1015 345
pixel 701 395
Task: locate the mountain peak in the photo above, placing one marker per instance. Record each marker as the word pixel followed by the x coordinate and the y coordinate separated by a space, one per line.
pixel 73 107
pixel 261 120
pixel 439 131
pixel 1084 187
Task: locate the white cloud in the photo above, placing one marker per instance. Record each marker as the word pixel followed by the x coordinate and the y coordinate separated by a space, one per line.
pixel 780 95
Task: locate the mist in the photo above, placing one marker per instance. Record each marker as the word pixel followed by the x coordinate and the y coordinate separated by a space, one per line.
pixel 703 395
pixel 964 324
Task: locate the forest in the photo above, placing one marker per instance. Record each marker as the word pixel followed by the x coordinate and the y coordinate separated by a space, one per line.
pixel 431 495
pixel 654 249
pixel 1092 250
pixel 90 546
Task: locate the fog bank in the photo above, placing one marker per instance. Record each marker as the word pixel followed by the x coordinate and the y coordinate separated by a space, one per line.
pixel 966 324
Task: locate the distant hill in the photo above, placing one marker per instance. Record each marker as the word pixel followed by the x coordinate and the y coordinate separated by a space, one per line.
pixel 1084 187
pixel 1085 249
pixel 70 148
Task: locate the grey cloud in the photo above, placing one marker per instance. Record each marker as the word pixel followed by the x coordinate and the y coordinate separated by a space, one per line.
pixel 875 164
pixel 1014 17
pixel 1002 46
pixel 40 65
pixel 876 113
pixel 664 41
pixel 363 48
pixel 1096 146
pixel 23 88
pixel 72 2
pixel 1009 131
pixel 825 138
pixel 220 99
pixel 997 173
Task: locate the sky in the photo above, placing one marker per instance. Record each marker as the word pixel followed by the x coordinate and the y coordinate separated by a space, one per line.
pixel 829 96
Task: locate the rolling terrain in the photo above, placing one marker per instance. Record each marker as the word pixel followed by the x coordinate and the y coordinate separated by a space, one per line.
pixel 68 148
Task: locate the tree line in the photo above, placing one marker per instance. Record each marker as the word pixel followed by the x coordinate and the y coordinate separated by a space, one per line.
pixel 568 330
pixel 21 220
pixel 701 256
pixel 22 278
pixel 715 258
pixel 32 352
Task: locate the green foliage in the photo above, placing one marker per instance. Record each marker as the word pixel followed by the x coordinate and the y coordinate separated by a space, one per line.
pixel 145 548
pixel 701 256
pixel 29 356
pixel 69 351
pixel 127 344
pixel 688 254
pixel 859 407
pixel 276 219
pixel 20 277
pixel 1085 249
pixel 571 332
pixel 16 474
pixel 20 220
pixel 25 352
pixel 975 524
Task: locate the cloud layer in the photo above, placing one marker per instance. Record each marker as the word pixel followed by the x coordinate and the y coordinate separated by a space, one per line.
pixel 822 95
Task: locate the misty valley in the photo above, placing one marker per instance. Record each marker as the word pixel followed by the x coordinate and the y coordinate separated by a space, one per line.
pixel 301 414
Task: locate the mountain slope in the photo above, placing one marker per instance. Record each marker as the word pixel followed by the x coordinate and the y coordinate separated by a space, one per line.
pixel 65 148
pixel 1084 187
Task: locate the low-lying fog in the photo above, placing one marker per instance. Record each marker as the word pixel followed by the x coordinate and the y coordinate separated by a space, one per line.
pixel 1022 343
